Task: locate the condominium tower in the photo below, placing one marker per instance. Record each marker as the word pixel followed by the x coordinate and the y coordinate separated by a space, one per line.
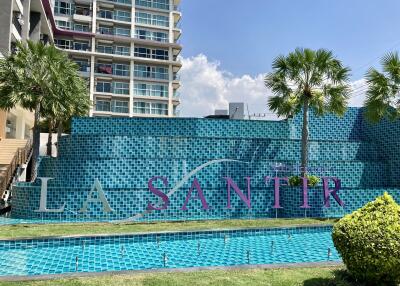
pixel 126 49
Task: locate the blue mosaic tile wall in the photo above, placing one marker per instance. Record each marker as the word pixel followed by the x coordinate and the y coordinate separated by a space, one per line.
pixel 124 153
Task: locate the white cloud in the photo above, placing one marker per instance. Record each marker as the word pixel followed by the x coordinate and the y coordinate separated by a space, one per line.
pixel 206 87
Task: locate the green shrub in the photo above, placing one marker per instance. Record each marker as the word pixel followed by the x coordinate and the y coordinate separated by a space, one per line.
pixel 369 242
pixel 296 181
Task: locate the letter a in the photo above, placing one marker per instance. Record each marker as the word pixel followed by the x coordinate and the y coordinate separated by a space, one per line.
pixel 101 198
pixel 200 196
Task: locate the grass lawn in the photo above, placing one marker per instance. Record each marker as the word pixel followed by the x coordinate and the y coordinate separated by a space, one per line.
pixel 38 230
pixel 321 276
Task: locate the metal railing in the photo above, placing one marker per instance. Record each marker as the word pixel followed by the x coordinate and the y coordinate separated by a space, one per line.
pixel 21 156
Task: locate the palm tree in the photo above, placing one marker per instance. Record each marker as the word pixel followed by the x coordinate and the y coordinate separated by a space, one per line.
pixel 73 92
pixel 39 78
pixel 307 79
pixel 382 98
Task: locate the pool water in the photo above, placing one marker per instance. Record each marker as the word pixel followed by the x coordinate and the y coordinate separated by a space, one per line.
pixel 167 250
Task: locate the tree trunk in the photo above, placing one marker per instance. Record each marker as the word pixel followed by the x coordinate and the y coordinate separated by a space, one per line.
pixel 60 128
pixel 36 143
pixel 50 139
pixel 304 140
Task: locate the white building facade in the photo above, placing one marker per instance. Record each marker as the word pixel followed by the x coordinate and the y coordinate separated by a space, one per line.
pixel 126 49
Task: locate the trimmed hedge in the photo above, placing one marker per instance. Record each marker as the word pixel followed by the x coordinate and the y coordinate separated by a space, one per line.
pixel 369 242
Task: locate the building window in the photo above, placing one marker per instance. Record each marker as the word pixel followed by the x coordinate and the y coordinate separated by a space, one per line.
pixel 122 32
pixel 147 89
pixel 105 14
pixel 63 44
pixel 121 69
pixel 150 108
pixel 81 28
pixel 151 53
pixel 121 50
pixel 122 16
pixel 63 25
pixel 103 105
pixel 151 19
pixel 158 4
pixel 151 72
pixel 121 88
pixel 151 35
pixel 63 8
pixel 120 106
pixel 103 86
pixel 105 30
pixel 105 49
pixel 81 46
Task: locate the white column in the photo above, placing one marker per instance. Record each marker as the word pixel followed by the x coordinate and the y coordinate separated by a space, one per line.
pixel 92 58
pixel 132 62
pixel 170 92
pixel 20 126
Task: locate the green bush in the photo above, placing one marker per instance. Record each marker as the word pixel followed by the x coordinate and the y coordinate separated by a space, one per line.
pixel 295 181
pixel 369 242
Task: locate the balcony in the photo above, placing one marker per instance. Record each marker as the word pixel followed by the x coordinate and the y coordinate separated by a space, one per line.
pixel 114 50
pixel 112 69
pixel 153 4
pixel 113 106
pixel 124 2
pixel 114 31
pixel 122 16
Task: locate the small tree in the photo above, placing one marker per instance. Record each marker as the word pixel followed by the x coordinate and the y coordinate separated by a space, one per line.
pixel 307 79
pixel 383 98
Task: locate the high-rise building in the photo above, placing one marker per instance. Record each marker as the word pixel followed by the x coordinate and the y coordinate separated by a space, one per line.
pixel 126 49
pixel 20 20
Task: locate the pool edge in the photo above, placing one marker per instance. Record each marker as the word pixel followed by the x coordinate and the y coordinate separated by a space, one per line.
pixel 170 270
pixel 295 226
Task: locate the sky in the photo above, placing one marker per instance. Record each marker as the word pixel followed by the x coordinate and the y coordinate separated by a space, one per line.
pixel 229 45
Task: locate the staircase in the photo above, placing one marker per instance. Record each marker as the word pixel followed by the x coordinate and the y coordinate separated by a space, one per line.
pixel 13 152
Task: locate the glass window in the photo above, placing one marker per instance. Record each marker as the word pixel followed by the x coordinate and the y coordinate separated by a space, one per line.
pixel 81 46
pixel 122 32
pixel 103 86
pixel 159 20
pixel 151 36
pixel 143 18
pixel 63 8
pixel 147 89
pixel 105 49
pixel 151 72
pixel 150 108
pixel 81 28
pixel 106 14
pixel 158 4
pixel 103 105
pixel 122 16
pixel 121 50
pixel 63 44
pixel 106 30
pixel 120 106
pixel 121 69
pixel 63 25
pixel 121 88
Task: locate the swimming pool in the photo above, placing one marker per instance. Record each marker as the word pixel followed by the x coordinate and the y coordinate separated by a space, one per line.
pixel 166 251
